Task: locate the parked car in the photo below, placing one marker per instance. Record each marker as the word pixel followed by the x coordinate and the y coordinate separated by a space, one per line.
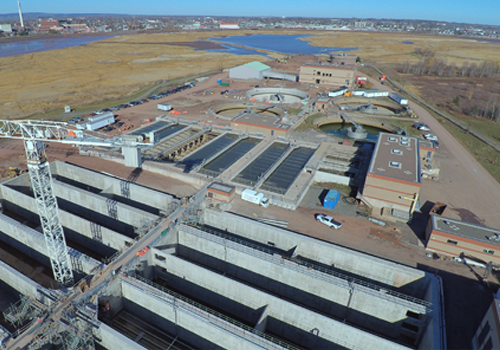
pixel 430 137
pixel 144 100
pixel 119 124
pixel 435 144
pixel 108 128
pixel 328 221
pixel 115 108
pixel 106 109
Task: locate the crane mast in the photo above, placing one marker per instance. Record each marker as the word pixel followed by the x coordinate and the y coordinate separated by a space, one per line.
pixel 41 183
pixel 33 133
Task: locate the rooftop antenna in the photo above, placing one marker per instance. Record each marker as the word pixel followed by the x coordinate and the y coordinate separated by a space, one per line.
pixel 20 14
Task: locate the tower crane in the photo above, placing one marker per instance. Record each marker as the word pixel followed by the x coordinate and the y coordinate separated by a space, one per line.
pixel 33 133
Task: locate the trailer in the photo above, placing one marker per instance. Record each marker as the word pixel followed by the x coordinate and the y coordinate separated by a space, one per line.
pixel 398 98
pixel 338 92
pixel 97 122
pixel 255 197
pixel 164 107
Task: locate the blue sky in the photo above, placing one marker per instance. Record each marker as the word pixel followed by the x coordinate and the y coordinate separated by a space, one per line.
pixel 468 11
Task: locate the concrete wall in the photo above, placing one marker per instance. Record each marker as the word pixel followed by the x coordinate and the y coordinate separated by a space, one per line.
pixel 100 204
pixel 26 207
pixel 328 254
pixel 357 304
pixel 114 185
pixel 186 316
pixel 18 281
pixel 320 176
pixel 21 236
pixel 111 339
pixel 290 316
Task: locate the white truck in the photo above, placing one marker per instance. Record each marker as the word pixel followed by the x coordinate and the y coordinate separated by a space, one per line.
pixel 255 197
pixel 164 107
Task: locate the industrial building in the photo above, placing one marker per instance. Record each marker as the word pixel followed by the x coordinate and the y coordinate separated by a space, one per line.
pixel 229 25
pixel 393 179
pixel 327 74
pixel 258 70
pixel 487 335
pixel 268 125
pixel 462 239
pixel 225 281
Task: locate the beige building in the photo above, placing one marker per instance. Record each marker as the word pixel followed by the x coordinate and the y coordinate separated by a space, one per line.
pixel 462 239
pixel 327 74
pixel 393 179
pixel 487 334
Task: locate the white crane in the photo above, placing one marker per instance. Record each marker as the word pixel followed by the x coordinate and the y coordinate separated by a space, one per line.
pixel 33 133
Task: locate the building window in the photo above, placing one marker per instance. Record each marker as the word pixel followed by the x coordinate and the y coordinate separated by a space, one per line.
pixel 347 82
pixel 318 73
pixel 484 332
pixel 395 165
pixel 451 242
pixel 397 151
pixel 489 251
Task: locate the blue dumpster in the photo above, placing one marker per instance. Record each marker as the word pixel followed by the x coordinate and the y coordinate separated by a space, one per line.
pixel 331 199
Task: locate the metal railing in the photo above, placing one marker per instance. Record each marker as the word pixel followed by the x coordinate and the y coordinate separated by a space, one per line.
pixel 278 343
pixel 313 270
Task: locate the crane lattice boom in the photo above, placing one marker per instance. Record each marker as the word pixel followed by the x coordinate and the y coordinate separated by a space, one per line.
pixel 33 133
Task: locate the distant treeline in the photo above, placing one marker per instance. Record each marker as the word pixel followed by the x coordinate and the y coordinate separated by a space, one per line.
pixel 429 65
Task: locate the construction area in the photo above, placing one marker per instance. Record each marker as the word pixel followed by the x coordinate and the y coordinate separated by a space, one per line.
pixel 148 268
pixel 228 282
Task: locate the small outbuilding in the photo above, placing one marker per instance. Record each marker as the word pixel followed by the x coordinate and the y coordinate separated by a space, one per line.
pixel 221 192
pixel 252 70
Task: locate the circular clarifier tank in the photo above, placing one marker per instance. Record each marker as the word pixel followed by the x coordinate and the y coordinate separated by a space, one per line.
pixel 277 95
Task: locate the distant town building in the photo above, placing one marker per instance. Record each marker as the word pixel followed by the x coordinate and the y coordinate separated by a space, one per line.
pixel 327 74
pixel 77 28
pixel 229 25
pixel 46 25
pixel 6 27
pixel 393 179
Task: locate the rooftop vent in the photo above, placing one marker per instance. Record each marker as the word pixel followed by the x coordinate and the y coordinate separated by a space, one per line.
pixel 404 138
pixel 397 151
pixel 392 139
pixel 405 143
pixel 395 165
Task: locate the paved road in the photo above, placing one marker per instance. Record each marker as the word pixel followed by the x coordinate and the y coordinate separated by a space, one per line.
pixel 465 185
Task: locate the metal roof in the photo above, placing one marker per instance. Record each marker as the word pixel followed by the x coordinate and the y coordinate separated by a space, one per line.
pixel 258 66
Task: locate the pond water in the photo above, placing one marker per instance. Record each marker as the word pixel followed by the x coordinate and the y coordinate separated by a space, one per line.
pixel 287 44
pixel 22 47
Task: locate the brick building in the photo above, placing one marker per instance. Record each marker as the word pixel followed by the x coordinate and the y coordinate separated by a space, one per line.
pixel 457 238
pixel 393 179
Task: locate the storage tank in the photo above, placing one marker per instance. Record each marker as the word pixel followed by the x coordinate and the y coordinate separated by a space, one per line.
pixel 331 199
